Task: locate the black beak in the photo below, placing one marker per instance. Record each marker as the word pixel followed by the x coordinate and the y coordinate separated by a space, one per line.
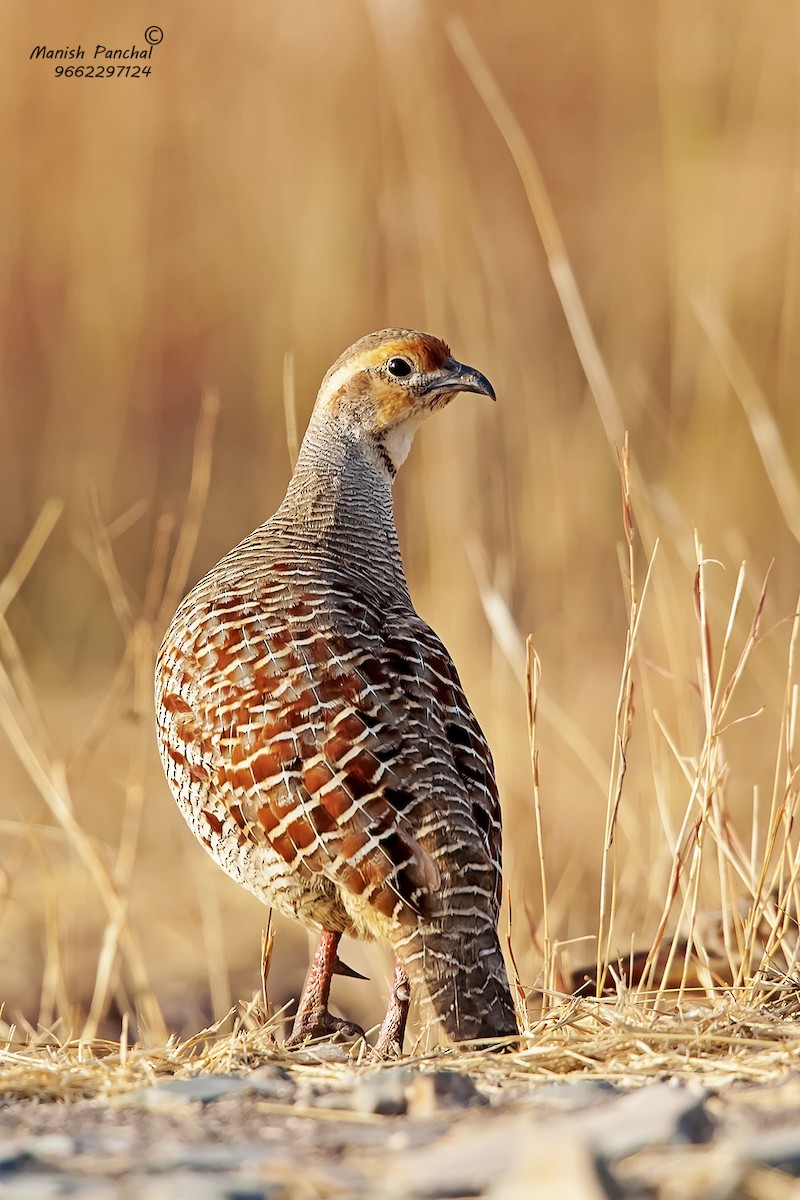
pixel 456 377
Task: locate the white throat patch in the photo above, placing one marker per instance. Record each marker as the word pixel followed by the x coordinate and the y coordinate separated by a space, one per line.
pixel 398 440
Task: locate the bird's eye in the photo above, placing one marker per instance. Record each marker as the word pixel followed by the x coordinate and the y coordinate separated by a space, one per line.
pixel 399 367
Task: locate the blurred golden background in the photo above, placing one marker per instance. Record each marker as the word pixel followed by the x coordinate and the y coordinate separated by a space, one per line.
pixel 598 205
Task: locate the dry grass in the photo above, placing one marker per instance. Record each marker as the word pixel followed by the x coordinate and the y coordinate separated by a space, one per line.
pixel 623 1041
pixel 601 216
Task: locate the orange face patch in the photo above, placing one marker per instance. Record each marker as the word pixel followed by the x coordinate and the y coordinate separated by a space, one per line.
pixel 390 402
pixel 426 352
pixel 388 397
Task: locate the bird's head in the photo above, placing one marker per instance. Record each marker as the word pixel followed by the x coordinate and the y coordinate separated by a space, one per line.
pixel 387 382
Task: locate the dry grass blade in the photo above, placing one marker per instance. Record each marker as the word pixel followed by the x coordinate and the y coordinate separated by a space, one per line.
pixel 533 675
pixel 100 724
pixel 51 783
pixel 136 668
pixel 705 816
pixel 771 877
pixel 518 989
pixel 290 407
pixel 623 726
pixel 763 426
pixel 108 566
pixel 9 588
pixel 544 215
pixel 141 646
pixel 512 645
pixel 267 944
pixel 24 726
pixel 195 506
pixel 30 550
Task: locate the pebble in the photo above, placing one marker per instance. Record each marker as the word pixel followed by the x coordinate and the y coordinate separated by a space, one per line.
pixel 383 1091
pixel 58 1187
pixel 557 1169
pixel 571 1093
pixel 273 1083
pixel 433 1091
pixel 13 1155
pixel 48 1146
pixel 659 1114
pixel 172 1093
pixel 175 1155
pixel 772 1147
pixel 395 1091
pixel 325 1052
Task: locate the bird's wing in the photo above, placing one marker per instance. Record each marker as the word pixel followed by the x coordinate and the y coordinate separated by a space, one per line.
pixel 327 742
pixel 423 669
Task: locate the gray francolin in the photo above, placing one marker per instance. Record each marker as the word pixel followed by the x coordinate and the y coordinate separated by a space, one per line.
pixel 314 730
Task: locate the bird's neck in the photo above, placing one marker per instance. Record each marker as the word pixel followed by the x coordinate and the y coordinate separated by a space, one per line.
pixel 340 499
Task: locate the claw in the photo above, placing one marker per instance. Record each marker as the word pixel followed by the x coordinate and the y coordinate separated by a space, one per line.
pixel 341 968
pixel 320 1023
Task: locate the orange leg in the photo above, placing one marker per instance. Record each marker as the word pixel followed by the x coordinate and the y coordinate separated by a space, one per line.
pixel 392 1032
pixel 313 1019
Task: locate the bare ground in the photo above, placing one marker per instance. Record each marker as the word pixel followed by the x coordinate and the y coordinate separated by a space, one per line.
pixel 648 1120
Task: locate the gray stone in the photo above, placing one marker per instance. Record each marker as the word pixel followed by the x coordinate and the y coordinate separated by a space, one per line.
pixel 201 1089
pixel 571 1093
pixel 50 1147
pixel 13 1154
pixel 218 1156
pixel 770 1147
pixel 453 1089
pixel 272 1082
pixel 60 1187
pixel 46 1148
pixel 325 1052
pixel 190 1186
pixel 659 1114
pixel 555 1168
pixel 467 1160
pixel 383 1091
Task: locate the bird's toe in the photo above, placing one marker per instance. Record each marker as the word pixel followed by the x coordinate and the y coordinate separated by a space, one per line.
pixel 319 1024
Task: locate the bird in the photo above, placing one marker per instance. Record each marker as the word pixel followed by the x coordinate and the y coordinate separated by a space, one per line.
pixel 314 730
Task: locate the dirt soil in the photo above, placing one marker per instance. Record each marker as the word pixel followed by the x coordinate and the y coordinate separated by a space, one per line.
pixel 406 1131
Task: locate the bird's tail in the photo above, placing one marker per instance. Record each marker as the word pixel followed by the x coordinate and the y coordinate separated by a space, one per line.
pixel 461 979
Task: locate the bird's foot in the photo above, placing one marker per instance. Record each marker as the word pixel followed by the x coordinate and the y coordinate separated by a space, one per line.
pixel 393 1029
pixel 319 1023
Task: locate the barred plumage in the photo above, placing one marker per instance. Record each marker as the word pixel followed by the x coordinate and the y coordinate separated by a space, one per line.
pixel 314 730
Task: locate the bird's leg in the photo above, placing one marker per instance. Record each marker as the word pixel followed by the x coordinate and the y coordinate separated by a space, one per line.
pixel 313 1019
pixel 392 1032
